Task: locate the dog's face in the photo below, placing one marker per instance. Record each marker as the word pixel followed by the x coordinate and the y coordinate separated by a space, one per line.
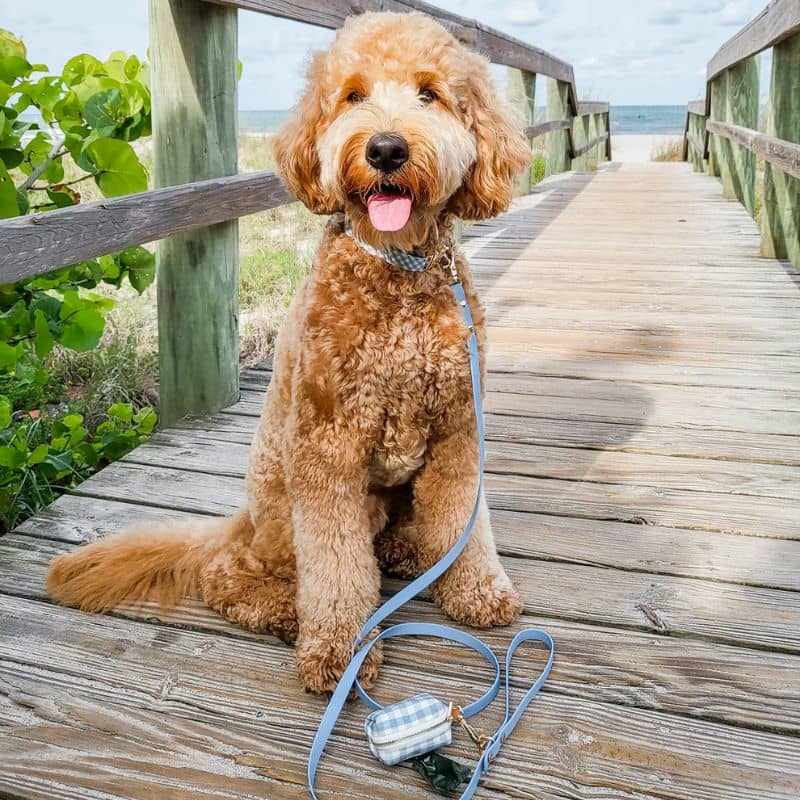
pixel 400 124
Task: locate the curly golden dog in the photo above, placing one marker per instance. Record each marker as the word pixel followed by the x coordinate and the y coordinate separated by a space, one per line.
pixel 366 453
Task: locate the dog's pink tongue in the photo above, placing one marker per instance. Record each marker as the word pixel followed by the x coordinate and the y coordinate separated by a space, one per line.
pixel 388 212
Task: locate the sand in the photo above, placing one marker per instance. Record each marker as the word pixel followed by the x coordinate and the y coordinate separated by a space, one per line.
pixel 637 147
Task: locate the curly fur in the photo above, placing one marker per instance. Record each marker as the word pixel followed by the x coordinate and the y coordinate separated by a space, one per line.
pixel 365 456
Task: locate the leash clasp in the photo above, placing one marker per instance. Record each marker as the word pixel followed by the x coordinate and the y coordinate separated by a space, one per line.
pixel 479 740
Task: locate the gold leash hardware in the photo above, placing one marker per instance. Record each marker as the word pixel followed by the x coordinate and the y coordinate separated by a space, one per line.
pixel 480 741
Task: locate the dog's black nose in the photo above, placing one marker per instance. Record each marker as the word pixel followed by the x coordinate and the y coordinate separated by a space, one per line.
pixel 387 151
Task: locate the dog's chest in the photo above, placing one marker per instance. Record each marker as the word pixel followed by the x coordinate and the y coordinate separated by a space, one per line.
pixel 421 370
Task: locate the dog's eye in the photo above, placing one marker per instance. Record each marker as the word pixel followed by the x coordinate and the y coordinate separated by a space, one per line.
pixel 427 96
pixel 354 97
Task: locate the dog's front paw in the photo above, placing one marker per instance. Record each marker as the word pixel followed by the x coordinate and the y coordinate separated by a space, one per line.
pixel 322 660
pixel 481 604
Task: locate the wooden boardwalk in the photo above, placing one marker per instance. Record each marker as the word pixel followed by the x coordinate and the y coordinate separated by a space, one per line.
pixel 644 459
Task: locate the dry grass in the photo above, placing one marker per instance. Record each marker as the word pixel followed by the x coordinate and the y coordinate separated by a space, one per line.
pixel 668 150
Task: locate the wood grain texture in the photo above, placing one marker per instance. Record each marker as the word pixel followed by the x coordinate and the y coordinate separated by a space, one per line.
pixel 782 154
pixel 586 108
pixel 780 230
pixel 644 448
pixel 157 673
pixel 38 243
pixel 630 546
pixel 608 665
pixel 194 86
pixel 777 22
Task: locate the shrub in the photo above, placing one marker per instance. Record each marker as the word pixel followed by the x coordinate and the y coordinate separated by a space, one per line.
pixel 84 122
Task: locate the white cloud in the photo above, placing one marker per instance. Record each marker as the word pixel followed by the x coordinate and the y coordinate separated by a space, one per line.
pixel 591 61
pixel 525 13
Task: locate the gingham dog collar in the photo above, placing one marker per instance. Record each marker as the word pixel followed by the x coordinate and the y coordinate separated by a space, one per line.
pixel 408 260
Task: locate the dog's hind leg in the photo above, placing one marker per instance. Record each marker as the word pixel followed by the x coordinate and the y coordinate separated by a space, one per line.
pixel 239 586
pixel 252 582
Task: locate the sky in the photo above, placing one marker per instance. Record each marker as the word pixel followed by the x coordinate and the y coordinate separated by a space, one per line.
pixel 649 52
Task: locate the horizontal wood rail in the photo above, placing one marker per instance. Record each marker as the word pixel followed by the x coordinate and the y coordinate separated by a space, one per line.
pixel 193 50
pixel 779 21
pixel 547 127
pixel 57 238
pixel 721 131
pixel 585 148
pixel 586 108
pixel 784 155
pixel 497 46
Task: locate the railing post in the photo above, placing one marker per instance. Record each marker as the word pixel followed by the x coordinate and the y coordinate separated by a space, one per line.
pixel 557 142
pixel 194 81
pixel 607 119
pixel 780 229
pixel 698 129
pixel 580 135
pixel 717 90
pixel 593 156
pixel 742 109
pixel 522 96
pixel 723 149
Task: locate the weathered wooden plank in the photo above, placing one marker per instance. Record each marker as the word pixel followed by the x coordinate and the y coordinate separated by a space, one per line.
pixel 533 399
pixel 38 243
pixel 627 405
pixel 194 84
pixel 768 563
pixel 543 128
pixel 711 511
pixel 631 437
pixel 607 595
pixel 259 730
pixel 781 153
pixel 731 445
pixel 586 108
pixel 780 230
pixel 497 46
pixel 777 22
pixel 680 675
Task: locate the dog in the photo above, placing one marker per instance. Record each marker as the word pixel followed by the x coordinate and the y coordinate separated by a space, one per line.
pixel 366 452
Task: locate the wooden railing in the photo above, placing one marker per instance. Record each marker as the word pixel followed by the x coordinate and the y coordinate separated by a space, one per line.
pixel 721 130
pixel 193 212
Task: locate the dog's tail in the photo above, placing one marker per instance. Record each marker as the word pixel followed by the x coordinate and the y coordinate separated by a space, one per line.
pixel 162 562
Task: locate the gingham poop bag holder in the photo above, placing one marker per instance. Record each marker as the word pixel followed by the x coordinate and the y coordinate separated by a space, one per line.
pixel 414 728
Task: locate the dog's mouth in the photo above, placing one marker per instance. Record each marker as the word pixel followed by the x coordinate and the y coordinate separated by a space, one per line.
pixel 389 207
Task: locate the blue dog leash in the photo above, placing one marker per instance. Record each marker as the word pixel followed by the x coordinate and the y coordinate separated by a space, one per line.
pixel 491 745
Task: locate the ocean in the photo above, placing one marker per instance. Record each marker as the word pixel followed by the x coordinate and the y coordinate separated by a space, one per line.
pixel 624 119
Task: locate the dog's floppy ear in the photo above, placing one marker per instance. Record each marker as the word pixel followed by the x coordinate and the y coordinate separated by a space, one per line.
pixel 502 149
pixel 295 145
